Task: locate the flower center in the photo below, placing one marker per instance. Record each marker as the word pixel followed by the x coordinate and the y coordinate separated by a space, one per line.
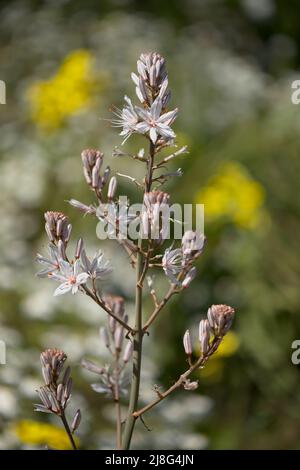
pixel 72 280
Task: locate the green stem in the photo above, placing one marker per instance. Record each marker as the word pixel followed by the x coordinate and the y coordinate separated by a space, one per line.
pixel 141 270
pixel 136 358
pixel 117 403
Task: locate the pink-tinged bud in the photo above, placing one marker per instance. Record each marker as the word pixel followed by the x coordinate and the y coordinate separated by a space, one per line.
pixel 112 188
pixel 187 343
pixel 220 318
pixel 92 162
pixel 82 207
pixel 189 277
pixel 61 249
pixel 68 388
pixel 57 227
pixel 104 336
pixel 59 392
pixel 156 216
pixel 204 335
pixel 118 337
pixel 128 352
pixel 78 249
pixel 89 365
pixel 76 421
pixel 116 304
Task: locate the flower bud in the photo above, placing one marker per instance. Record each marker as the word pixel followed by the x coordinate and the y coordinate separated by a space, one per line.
pixel 204 335
pixel 104 336
pixel 78 249
pixel 116 304
pixel 57 227
pixel 220 318
pixel 112 188
pixel 118 337
pixel 76 421
pixel 82 207
pixel 156 216
pixel 89 365
pixel 189 277
pixel 187 343
pixel 128 352
pixel 192 243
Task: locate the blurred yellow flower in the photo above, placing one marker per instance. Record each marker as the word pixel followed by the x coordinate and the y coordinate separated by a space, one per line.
pixel 68 92
pixel 234 195
pixel 38 433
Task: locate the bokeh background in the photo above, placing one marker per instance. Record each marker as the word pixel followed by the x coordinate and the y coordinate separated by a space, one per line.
pixel 231 64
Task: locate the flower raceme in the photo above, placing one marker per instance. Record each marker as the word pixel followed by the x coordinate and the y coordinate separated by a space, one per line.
pixel 150 224
pixel 152 90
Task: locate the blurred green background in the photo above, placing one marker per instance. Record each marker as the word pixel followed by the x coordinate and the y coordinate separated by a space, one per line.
pixel 231 64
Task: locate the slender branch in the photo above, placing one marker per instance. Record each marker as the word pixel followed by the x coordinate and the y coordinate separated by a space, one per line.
pixel 159 307
pixel 102 304
pixel 136 358
pixel 67 428
pixel 141 270
pixel 199 363
pixel 117 403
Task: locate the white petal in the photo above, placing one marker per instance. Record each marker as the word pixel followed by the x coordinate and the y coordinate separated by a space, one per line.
pixel 82 278
pixel 63 289
pixel 142 127
pixel 156 109
pixel 66 268
pixel 153 134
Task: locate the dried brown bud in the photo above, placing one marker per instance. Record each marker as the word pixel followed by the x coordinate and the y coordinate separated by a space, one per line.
pixel 220 318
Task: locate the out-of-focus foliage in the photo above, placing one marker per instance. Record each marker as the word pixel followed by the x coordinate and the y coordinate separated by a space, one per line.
pixel 231 65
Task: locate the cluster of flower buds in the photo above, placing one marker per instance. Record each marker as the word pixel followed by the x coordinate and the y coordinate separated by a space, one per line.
pixel 58 228
pixel 56 395
pixel 113 337
pixel 152 90
pixel 152 79
pixel 219 320
pixel 92 162
pixel 156 216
